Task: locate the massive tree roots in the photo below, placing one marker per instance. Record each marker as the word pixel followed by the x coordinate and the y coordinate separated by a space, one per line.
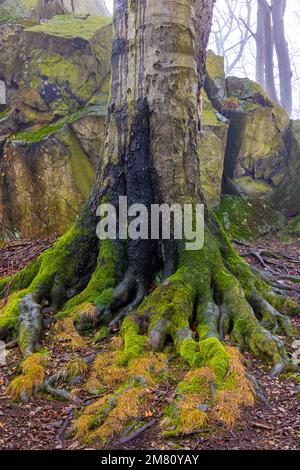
pixel 184 331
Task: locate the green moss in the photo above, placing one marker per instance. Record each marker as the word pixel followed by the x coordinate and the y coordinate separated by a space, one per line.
pixel 10 313
pixel 246 219
pixel 247 90
pixel 101 334
pixel 38 134
pixel 82 170
pixel 4 115
pixel 100 287
pixel 69 26
pixel 57 260
pixel 6 18
pixel 215 65
pixel 207 353
pixel 254 187
pixel 283 304
pixel 134 343
pixel 209 114
pixel 291 230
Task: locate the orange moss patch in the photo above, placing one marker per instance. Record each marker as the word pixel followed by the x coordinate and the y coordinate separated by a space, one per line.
pixel 66 334
pixel 130 406
pixel 202 400
pixel 87 420
pixel 105 373
pixel 235 392
pixel 151 367
pixel 76 367
pixel 193 392
pixel 108 374
pixel 116 343
pixel 191 419
pixel 32 376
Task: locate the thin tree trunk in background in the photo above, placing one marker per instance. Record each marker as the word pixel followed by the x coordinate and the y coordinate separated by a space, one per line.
pixel 260 47
pixel 268 43
pixel 284 64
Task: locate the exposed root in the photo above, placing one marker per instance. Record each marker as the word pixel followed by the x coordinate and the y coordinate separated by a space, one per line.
pixel 58 393
pixel 258 390
pixel 30 326
pixel 270 318
pixel 138 432
pixel 212 296
pixel 50 279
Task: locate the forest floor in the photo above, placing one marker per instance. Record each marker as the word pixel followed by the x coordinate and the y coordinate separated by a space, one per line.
pixel 40 424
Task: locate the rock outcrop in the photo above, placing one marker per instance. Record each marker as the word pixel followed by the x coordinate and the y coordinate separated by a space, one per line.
pixel 261 157
pixel 55 68
pixel 92 7
pixel 56 77
pixel 212 151
pixel 47 9
pixel 256 157
pixel 287 196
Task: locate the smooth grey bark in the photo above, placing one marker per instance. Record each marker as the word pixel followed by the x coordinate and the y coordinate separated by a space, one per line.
pixel 282 51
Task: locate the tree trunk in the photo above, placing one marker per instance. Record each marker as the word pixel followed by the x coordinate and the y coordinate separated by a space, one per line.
pixel 151 155
pixel 268 47
pixel 282 51
pixel 260 47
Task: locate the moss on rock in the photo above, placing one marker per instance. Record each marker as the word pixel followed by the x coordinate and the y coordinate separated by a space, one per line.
pixel 247 219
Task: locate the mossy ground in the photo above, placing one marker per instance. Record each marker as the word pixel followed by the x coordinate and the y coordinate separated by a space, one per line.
pixel 175 337
pixel 128 395
pixel 291 231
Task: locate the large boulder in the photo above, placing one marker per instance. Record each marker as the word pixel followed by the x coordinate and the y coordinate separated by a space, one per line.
pixel 56 67
pixel 215 81
pixel 212 151
pixel 47 9
pixel 92 7
pixel 46 175
pixel 287 195
pixel 56 78
pixel 34 9
pixel 247 219
pixel 257 158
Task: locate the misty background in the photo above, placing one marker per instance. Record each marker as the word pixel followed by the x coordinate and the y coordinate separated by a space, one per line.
pixel 235 24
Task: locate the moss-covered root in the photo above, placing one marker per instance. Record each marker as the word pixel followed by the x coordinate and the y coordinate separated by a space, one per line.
pixel 204 399
pixel 212 294
pixel 30 326
pixel 251 319
pixel 31 379
pixel 68 268
pixel 126 390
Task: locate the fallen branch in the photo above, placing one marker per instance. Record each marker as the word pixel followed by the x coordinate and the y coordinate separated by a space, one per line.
pixel 262 426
